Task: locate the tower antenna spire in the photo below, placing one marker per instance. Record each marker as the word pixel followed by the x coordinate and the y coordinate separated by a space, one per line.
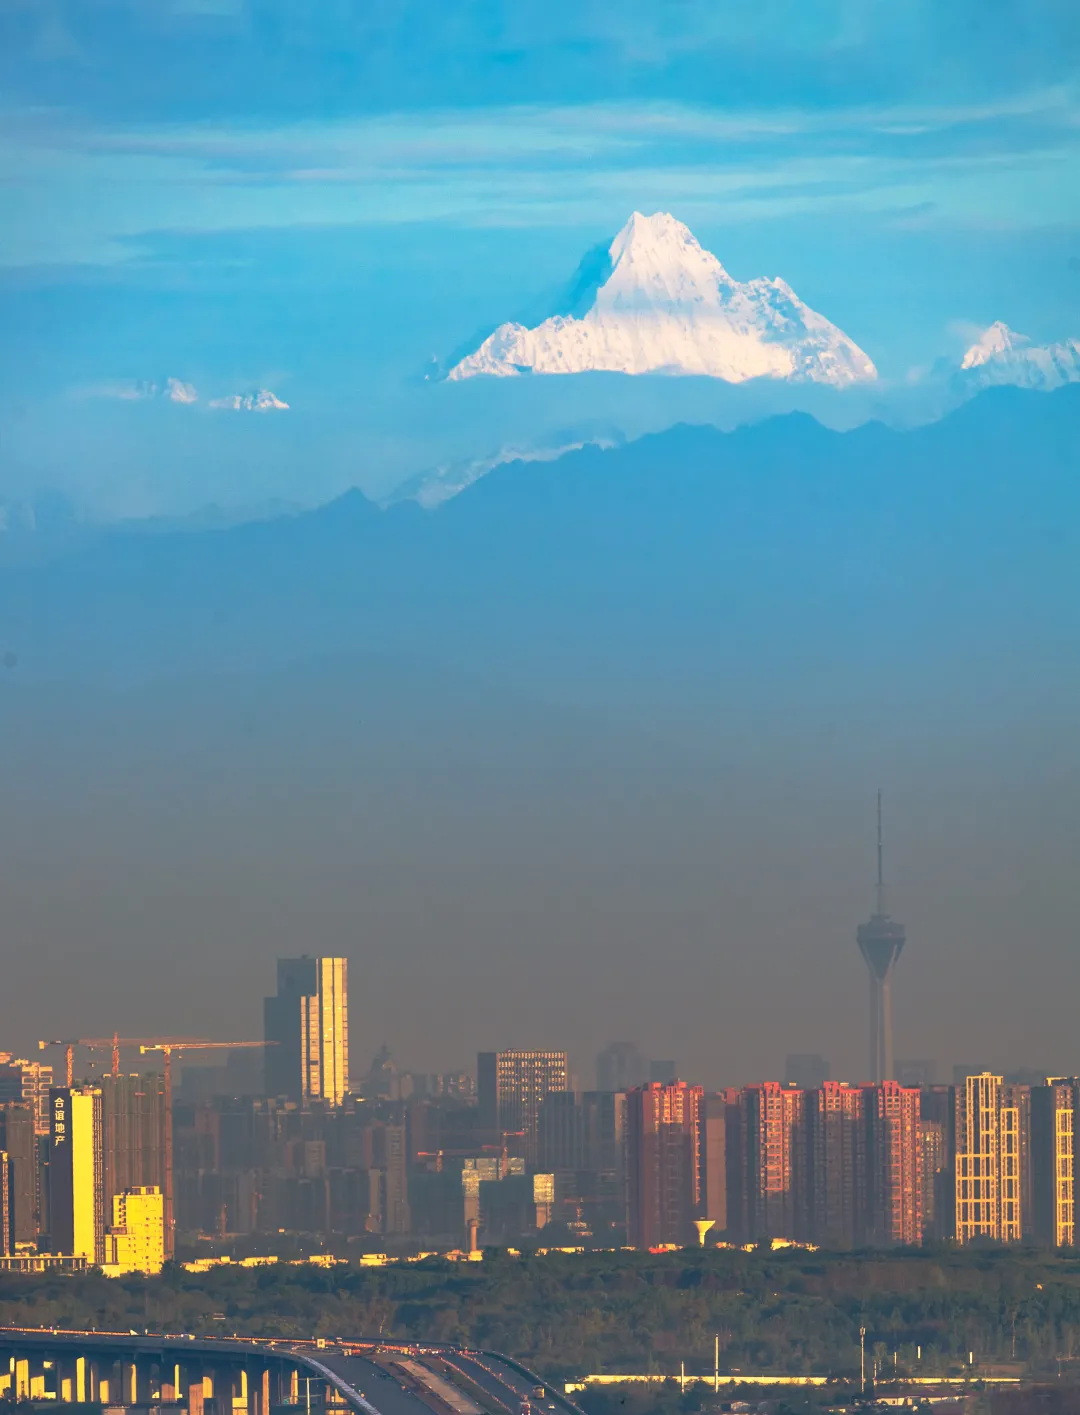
pixel 880 861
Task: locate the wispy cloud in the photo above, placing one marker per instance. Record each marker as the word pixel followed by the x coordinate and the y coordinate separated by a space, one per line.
pixel 88 193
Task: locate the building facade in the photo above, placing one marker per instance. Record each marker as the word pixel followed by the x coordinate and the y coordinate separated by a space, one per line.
pixel 663 1163
pixel 135 1243
pixel 19 1141
pixel 894 1203
pixel 76 1179
pixel 988 1162
pixel 772 1159
pixel 306 1026
pixel 511 1088
pixel 1054 1111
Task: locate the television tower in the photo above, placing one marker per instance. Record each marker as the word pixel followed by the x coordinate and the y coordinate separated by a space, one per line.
pixel 881 940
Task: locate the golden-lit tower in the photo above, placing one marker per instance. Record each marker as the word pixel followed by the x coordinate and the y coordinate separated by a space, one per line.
pixel 881 940
pixel 307 1024
pixel 988 1145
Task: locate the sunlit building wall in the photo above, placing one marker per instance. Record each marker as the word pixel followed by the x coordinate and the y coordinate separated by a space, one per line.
pixel 306 1025
pixel 76 1181
pixel 663 1163
pixel 1054 1112
pixel 988 1161
pixel 136 1241
pixel 894 1185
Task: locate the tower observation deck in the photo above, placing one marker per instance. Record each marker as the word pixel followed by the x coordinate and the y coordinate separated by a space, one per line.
pixel 881 940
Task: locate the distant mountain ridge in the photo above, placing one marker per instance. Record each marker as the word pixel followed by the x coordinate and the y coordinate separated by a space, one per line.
pixel 1001 356
pixel 691 531
pixel 655 301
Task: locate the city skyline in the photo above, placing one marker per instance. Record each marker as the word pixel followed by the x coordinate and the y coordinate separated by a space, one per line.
pixel 122 1170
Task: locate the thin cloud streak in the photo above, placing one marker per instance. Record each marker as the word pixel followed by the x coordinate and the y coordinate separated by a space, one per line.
pixel 89 195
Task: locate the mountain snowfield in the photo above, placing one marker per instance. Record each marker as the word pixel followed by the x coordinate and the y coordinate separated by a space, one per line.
pixel 1002 356
pixel 261 401
pixel 175 390
pixel 656 302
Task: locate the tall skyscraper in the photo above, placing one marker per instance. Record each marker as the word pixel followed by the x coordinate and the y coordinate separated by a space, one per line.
pixel 27 1083
pixel 306 1026
pixel 772 1160
pixel 133 1119
pixel 19 1141
pixel 7 1207
pixel 881 940
pixel 621 1067
pixel 836 1169
pixel 663 1163
pixel 894 1208
pixel 511 1088
pixel 1055 1123
pixel 76 1189
pixel 988 1161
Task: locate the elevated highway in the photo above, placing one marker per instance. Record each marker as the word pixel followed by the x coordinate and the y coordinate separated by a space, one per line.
pixel 237 1375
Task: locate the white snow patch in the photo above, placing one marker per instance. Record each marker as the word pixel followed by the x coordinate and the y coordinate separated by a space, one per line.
pixel 666 305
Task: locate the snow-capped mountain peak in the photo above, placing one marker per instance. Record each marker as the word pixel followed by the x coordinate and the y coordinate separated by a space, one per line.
pixel 1000 355
pixel 259 401
pixel 656 301
pixel 993 343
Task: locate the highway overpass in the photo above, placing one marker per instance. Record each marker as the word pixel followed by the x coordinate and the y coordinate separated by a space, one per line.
pixel 236 1375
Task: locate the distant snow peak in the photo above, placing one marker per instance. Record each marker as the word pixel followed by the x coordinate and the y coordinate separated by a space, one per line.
pixel 177 392
pixel 1000 355
pixel 657 302
pixel 168 390
pixel 259 401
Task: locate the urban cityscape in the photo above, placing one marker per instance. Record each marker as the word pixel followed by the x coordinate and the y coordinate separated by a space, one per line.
pixel 279 1139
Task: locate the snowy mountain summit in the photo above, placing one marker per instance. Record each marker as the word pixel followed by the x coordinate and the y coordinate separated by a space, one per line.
pixel 655 301
pixel 1001 355
pixel 260 401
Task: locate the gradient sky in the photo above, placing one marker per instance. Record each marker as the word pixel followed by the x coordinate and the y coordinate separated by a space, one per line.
pixel 322 196
pixel 322 199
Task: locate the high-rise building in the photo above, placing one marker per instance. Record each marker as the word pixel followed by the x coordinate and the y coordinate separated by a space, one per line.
pixel 988 1161
pixel 713 1146
pixel 76 1187
pixel 306 1025
pixel 7 1207
pixel 881 940
pixel 806 1070
pixel 393 1154
pixel 621 1067
pixel 772 1158
pixel 836 1164
pixel 603 1141
pixel 663 1163
pixel 19 1141
pixel 916 1072
pixel 133 1118
pixel 894 1207
pixel 1055 1123
pixel 511 1088
pixel 560 1132
pixel 135 1243
pixel 27 1083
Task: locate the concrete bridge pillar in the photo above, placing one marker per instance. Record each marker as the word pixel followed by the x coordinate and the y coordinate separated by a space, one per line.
pixel 170 1383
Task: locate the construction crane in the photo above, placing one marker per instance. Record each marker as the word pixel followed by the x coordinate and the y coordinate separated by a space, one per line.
pixel 167 1045
pixel 115 1042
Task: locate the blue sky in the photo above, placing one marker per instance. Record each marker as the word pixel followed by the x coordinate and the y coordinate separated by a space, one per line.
pixel 322 197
